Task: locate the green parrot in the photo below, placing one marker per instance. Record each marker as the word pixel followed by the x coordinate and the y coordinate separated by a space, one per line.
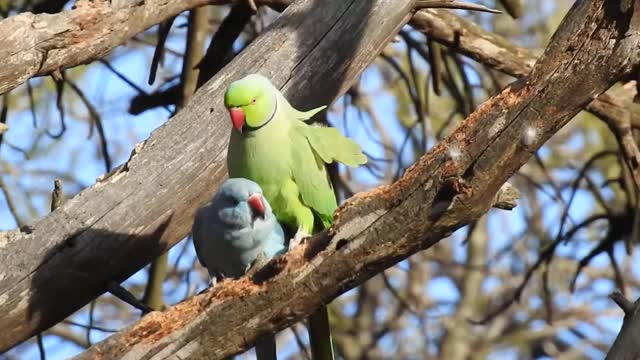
pixel 272 145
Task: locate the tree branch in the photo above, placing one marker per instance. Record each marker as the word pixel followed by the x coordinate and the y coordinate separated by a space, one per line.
pixel 470 39
pixel 626 346
pixel 40 44
pixel 497 52
pixel 452 185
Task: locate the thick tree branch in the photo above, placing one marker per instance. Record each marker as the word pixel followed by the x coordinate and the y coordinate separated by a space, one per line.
pixel 453 184
pixel 626 345
pixel 470 39
pixel 106 233
pixel 499 53
pixel 36 45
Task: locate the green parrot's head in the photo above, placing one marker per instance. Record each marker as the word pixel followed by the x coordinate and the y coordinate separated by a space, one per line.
pixel 251 102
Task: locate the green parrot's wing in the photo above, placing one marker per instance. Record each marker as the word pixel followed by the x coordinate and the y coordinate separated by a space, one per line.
pixel 306 115
pixel 310 175
pixel 331 145
pixel 293 113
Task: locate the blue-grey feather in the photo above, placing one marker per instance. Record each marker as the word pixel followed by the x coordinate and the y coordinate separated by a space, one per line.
pixel 228 237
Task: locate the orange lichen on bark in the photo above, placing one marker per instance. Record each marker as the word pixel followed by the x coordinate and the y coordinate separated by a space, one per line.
pixel 449 169
pixel 294 258
pixel 507 99
pixel 157 325
pixel 149 325
pixel 233 289
pixel 462 188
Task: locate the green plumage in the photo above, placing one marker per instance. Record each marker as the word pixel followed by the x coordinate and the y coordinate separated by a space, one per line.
pixel 274 146
pixel 285 155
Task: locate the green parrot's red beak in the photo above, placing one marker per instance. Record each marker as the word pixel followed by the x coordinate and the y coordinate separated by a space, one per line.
pixel 237 118
pixel 255 201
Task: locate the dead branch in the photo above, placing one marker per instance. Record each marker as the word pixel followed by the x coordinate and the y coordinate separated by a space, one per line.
pixel 625 346
pixel 39 44
pixel 499 53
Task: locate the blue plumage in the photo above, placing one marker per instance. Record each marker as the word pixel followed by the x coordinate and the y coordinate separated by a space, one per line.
pixel 232 229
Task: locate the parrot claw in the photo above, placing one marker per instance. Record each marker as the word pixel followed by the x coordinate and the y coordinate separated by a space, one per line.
pixel 212 283
pixel 297 239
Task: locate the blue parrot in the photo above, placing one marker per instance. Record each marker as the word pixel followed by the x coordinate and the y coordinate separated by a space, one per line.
pixel 234 231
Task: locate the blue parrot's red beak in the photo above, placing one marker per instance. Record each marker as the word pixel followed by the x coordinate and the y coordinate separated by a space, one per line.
pixel 237 118
pixel 255 201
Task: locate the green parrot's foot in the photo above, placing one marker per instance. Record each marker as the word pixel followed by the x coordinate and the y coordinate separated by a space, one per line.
pixel 297 239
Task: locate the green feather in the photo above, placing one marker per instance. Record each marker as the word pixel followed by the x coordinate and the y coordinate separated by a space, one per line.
pixel 310 174
pixel 331 146
pixel 306 115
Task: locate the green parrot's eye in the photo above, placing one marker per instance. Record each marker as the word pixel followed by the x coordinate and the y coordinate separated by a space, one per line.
pixel 253 100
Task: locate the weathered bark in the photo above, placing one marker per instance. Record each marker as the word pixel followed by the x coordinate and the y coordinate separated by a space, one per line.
pixel 448 187
pixel 35 45
pixel 315 51
pixel 626 345
pixel 470 39
pixel 39 44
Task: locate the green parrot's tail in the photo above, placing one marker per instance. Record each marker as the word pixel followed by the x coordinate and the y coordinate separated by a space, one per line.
pixel 266 348
pixel 320 335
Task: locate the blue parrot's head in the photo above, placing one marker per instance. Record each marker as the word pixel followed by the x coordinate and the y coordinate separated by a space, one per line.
pixel 240 202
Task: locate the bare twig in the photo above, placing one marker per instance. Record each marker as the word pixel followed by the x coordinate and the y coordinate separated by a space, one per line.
pixel 158 54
